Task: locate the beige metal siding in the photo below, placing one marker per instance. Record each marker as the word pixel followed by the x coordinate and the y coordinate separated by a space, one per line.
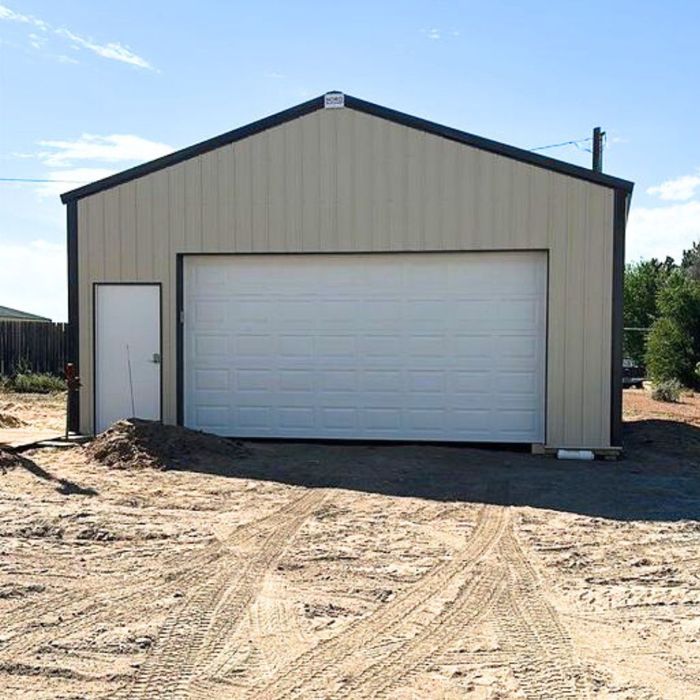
pixel 342 181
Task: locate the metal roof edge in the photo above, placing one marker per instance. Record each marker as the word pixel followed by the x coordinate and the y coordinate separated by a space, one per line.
pixel 359 105
pixel 485 144
pixel 193 151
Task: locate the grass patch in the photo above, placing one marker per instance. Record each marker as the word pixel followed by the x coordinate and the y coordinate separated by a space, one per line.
pixel 668 391
pixel 34 383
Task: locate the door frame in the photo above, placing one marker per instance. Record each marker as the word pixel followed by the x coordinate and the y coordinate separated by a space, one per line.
pixel 95 285
pixel 180 311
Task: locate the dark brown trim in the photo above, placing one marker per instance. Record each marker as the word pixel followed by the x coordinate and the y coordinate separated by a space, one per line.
pixel 179 339
pixel 359 105
pixel 73 336
pixel 485 144
pixel 196 150
pixel 546 351
pixel 618 276
pixel 95 285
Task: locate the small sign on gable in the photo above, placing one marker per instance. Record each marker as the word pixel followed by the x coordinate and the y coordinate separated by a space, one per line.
pixel 334 100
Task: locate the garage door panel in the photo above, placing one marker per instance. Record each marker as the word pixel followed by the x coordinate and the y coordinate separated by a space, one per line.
pixel 381 421
pixel 213 417
pixel 209 312
pixel 381 380
pixel 516 421
pixel 211 345
pixel 254 419
pixel 211 379
pixel 424 346
pixel 339 418
pixel 475 423
pixel 333 380
pixel 467 346
pixel 473 382
pixel 336 347
pixel 251 346
pixel 425 421
pixel 295 417
pixel 510 382
pixel 380 346
pixel 476 400
pixel 253 379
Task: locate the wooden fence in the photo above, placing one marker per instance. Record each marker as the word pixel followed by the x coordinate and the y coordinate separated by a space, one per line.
pixel 39 345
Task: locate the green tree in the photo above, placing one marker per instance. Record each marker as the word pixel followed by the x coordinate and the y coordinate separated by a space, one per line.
pixel 643 281
pixel 669 353
pixel 673 347
pixel 679 300
pixel 690 263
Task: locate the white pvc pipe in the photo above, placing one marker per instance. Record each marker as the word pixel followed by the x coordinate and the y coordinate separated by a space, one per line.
pixel 585 455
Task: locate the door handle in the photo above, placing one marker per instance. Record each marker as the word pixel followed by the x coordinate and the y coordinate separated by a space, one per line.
pixel 156 358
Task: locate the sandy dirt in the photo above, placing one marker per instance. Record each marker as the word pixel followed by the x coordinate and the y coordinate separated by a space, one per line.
pixel 40 411
pixel 335 571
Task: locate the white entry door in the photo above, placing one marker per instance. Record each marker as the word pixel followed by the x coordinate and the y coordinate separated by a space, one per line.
pixel 408 346
pixel 127 353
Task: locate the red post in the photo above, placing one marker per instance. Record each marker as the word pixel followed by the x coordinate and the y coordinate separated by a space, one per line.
pixel 72 384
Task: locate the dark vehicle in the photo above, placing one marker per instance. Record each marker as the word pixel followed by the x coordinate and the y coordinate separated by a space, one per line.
pixel 632 375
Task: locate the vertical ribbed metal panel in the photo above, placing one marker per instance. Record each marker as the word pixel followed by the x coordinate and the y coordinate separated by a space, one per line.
pixel 342 181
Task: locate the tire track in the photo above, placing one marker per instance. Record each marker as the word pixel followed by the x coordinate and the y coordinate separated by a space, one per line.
pixel 544 660
pixel 79 610
pixel 214 608
pixel 218 656
pixel 547 669
pixel 475 600
pixel 324 665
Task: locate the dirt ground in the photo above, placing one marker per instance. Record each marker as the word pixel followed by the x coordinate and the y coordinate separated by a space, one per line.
pixel 331 571
pixel 42 411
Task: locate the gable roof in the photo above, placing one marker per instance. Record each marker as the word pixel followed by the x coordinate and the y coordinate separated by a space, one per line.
pixel 8 314
pixel 359 105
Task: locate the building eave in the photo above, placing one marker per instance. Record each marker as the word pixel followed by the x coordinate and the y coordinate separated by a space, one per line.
pixel 359 105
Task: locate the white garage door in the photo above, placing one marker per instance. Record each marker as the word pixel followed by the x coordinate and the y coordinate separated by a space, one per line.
pixel 417 346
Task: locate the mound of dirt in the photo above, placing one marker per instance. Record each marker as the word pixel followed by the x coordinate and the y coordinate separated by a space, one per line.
pixel 136 443
pixel 7 420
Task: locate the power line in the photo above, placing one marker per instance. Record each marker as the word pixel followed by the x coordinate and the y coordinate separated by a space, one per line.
pixel 575 142
pixel 37 179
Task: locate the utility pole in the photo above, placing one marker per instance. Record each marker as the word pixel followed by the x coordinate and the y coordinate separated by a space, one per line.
pixel 598 135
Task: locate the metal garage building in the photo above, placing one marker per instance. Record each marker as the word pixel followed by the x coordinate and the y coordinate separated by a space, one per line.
pixel 343 270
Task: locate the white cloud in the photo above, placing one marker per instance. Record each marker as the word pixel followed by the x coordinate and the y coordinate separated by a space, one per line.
pixel 436 34
pixel 113 148
pixel 661 231
pixel 678 189
pixel 9 15
pixel 74 162
pixel 113 50
pixel 36 41
pixel 44 264
pixel 65 180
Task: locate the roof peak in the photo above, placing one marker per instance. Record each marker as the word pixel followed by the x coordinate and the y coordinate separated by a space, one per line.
pixel 335 99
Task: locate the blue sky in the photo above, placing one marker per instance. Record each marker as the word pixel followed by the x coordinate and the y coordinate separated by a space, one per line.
pixel 90 88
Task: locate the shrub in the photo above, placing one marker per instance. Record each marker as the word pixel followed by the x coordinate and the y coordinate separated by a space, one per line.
pixel 670 353
pixel 679 301
pixel 669 391
pixel 39 383
pixel 643 282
